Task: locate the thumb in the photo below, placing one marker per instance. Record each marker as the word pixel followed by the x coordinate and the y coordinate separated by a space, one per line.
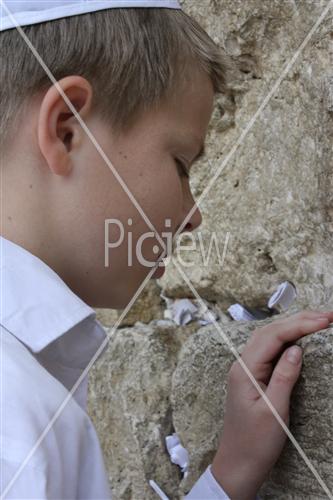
pixel 283 379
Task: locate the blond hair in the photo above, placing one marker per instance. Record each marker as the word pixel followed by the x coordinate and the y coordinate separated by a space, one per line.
pixel 133 58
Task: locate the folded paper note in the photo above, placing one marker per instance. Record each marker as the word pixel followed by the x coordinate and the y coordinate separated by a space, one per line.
pixel 178 454
pixel 284 296
pixel 279 302
pixel 183 311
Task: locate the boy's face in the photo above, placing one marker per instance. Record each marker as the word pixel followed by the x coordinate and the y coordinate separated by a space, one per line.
pixel 84 197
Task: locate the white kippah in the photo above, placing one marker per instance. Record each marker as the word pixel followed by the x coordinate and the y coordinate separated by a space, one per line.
pixel 26 12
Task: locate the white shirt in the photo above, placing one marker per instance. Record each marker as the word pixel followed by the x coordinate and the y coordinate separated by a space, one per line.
pixel 48 336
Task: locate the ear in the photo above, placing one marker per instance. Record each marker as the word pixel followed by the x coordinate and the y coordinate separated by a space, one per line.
pixel 58 129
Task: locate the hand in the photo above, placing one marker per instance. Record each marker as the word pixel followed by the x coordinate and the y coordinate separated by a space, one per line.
pixel 252 439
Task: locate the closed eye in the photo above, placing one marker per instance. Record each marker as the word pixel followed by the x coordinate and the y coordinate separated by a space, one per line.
pixel 183 172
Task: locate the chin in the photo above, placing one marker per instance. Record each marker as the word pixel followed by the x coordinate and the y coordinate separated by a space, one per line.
pixel 121 294
pixel 125 296
pixel 108 302
pixel 119 300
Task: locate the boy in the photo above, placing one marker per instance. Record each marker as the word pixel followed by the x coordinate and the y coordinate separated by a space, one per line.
pixel 142 80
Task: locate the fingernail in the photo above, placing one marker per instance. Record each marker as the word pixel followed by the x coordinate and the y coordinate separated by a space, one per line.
pixel 294 355
pixel 322 318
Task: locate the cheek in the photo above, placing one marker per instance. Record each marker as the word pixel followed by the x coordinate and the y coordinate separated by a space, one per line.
pixel 166 199
pixel 163 205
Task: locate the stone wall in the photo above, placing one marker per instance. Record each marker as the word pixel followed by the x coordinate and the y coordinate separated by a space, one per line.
pixel 158 379
pixel 274 196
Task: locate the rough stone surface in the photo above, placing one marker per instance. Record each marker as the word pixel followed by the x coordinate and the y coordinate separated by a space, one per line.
pixel 156 379
pixel 275 195
pixel 130 404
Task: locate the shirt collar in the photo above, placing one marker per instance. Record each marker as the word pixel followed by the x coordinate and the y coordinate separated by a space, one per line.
pixel 37 306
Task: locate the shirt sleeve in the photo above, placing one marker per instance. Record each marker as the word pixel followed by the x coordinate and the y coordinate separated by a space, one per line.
pixel 207 487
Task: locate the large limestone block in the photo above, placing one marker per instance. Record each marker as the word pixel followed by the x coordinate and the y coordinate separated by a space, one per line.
pixel 275 195
pixel 156 379
pixel 129 401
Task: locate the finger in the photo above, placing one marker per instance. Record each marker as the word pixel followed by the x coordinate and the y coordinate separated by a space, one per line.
pixel 283 379
pixel 265 345
pixel 303 315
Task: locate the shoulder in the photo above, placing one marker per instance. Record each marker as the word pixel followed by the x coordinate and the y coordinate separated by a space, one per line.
pixel 33 403
pixel 26 381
